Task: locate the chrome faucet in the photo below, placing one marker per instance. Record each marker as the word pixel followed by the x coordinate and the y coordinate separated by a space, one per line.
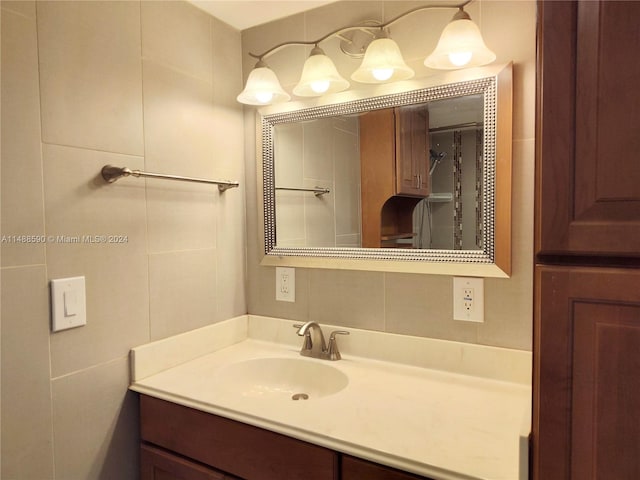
pixel 314 345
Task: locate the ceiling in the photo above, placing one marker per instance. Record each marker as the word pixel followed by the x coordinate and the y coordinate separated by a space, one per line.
pixel 242 14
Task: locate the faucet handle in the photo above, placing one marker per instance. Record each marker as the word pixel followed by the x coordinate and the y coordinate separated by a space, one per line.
pixel 337 332
pixel 332 351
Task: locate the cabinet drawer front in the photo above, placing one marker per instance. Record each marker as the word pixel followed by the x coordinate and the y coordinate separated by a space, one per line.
pixel 357 469
pixel 243 450
pixel 156 464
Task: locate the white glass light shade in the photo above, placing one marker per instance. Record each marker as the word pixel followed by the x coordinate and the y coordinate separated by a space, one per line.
pixel 460 45
pixel 263 88
pixel 319 76
pixel 382 63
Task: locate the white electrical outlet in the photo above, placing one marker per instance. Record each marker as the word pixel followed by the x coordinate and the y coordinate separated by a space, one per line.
pixel 468 299
pixel 285 284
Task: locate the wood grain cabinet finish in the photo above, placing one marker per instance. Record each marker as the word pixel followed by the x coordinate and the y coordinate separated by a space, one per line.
pixel 157 464
pixel 180 443
pixel 586 418
pixel 588 140
pixel 412 151
pixel 394 145
pixel 358 469
pixel 241 450
pixel 586 402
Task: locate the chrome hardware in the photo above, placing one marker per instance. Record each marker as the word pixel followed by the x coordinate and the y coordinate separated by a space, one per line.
pixel 317 191
pixel 306 346
pixel 333 352
pixel 110 174
pixel 314 345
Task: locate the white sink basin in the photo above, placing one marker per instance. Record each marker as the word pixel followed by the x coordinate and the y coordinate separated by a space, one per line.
pixel 290 378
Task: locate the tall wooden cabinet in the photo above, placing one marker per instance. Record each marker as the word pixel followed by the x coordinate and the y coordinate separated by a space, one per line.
pixel 394 160
pixel 586 415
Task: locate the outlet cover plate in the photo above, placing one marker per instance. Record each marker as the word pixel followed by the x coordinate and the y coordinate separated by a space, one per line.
pixel 468 299
pixel 286 284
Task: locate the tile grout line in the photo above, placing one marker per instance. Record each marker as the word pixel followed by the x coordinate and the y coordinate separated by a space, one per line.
pixel 44 225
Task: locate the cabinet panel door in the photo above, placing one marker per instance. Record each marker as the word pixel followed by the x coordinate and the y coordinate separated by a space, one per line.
pixel 588 142
pixel 357 469
pixel 156 464
pixel 412 147
pixel 587 374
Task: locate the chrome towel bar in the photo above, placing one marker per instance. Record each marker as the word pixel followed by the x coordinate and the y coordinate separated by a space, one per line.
pixel 317 191
pixel 111 174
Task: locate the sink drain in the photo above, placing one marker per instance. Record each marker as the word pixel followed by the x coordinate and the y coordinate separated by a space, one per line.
pixel 299 396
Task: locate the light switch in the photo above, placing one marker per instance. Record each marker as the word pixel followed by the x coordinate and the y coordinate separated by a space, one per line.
pixel 68 303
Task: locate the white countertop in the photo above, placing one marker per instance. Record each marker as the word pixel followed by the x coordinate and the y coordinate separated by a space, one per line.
pixel 461 419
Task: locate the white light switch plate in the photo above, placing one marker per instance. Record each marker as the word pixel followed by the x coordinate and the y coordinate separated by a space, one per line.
pixel 468 299
pixel 68 303
pixel 286 284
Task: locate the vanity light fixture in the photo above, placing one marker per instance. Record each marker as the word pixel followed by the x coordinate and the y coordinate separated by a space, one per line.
pixel 263 87
pixel 460 46
pixel 319 76
pixel 382 63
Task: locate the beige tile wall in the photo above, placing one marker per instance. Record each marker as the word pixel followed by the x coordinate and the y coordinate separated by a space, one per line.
pixel 404 303
pixel 308 161
pixel 139 84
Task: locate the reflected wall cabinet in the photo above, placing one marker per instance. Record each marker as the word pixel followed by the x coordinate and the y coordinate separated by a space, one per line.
pixel 586 419
pixel 394 161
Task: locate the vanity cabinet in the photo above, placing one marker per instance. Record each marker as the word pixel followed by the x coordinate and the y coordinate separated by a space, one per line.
pixel 394 162
pixel 238 449
pixel 181 443
pixel 357 469
pixel 158 464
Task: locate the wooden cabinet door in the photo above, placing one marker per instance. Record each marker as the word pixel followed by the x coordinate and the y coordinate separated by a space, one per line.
pixel 412 151
pixel 586 412
pixel 156 464
pixel 358 469
pixel 588 151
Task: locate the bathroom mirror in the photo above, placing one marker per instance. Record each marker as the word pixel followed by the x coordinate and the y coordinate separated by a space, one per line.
pixel 415 180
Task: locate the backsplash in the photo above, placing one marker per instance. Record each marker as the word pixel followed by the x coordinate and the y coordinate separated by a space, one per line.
pixel 392 302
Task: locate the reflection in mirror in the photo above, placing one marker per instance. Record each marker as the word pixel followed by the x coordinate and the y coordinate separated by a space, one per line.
pixel 324 153
pixel 410 176
pixel 320 153
pixel 451 216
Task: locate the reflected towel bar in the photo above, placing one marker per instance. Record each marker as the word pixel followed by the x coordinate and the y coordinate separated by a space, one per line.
pixel 317 191
pixel 111 174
